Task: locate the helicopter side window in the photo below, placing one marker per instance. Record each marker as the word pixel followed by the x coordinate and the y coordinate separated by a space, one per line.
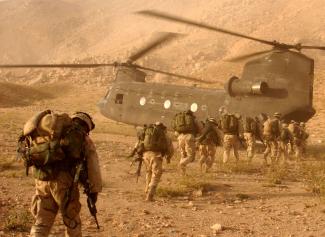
pixel 119 99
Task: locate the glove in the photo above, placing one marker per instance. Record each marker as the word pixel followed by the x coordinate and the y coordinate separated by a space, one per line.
pixel 93 197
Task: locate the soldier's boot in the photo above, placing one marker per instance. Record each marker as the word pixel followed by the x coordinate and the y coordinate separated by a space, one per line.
pixel 151 194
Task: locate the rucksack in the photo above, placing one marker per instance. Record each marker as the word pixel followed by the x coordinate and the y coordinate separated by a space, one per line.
pixel 184 123
pixel 229 124
pixel 42 141
pixel 250 125
pixel 155 139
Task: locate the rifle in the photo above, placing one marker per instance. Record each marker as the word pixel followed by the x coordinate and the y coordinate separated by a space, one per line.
pixel 23 153
pixel 90 203
pixel 86 185
pixel 68 195
pixel 138 171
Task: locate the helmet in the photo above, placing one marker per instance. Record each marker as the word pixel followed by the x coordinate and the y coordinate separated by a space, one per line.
pixel 237 115
pixel 212 120
pixel 292 121
pixel 86 118
pixel 158 123
pixel 222 110
pixel 277 115
pixel 302 124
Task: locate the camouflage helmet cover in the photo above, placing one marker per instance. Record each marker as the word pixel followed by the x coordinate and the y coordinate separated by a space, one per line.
pixel 86 118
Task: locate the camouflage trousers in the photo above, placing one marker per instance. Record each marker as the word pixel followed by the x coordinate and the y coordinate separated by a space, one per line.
pixel 230 142
pixel 298 148
pixel 272 147
pixel 186 144
pixel 50 198
pixel 153 162
pixel 250 143
pixel 283 153
pixel 207 155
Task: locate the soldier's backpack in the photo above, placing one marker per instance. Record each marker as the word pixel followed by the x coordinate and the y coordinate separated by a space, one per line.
pixel 184 123
pixel 155 139
pixel 42 143
pixel 267 128
pixel 250 125
pixel 229 124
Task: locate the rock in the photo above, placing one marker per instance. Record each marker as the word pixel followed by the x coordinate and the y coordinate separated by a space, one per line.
pixel 198 193
pixel 216 228
pixel 139 235
pixel 146 212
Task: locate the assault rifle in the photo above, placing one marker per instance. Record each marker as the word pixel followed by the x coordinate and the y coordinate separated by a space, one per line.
pixel 23 153
pixel 91 203
pixel 138 171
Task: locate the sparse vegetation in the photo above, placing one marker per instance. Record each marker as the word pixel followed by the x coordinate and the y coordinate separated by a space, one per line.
pixel 314 177
pixel 18 220
pixel 276 174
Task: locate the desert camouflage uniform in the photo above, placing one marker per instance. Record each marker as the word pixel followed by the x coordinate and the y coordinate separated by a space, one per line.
pixel 271 141
pixel 297 143
pixel 208 140
pixel 284 142
pixel 250 141
pixel 186 145
pixel 230 140
pixel 153 162
pixel 50 197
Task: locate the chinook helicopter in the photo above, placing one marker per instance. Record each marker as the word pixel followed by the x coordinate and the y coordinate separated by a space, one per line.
pixel 281 80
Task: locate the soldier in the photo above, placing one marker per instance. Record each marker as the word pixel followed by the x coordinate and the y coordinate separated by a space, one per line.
pixel 229 124
pixel 250 128
pixel 296 134
pixel 60 151
pixel 304 137
pixel 271 133
pixel 157 145
pixel 284 141
pixel 186 127
pixel 208 141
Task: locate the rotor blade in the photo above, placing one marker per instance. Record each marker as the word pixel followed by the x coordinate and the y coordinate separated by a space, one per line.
pixel 312 47
pixel 173 74
pixel 170 17
pixel 246 56
pixel 161 38
pixel 57 65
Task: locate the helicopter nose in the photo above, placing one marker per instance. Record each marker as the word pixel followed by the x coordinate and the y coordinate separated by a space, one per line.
pixel 101 104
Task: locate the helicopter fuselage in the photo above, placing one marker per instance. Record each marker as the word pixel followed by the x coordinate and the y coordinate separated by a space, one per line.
pixel 279 82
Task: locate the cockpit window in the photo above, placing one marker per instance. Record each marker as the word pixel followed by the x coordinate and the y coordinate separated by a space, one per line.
pixel 119 99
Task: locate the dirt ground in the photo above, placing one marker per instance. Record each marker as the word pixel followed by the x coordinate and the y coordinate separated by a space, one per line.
pixel 246 200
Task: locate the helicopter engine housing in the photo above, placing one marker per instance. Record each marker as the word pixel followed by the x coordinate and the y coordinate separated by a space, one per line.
pixel 237 87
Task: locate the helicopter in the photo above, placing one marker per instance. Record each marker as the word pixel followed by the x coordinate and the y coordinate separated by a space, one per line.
pixel 276 80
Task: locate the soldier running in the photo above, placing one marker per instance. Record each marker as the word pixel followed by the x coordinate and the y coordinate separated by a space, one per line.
pixel 186 128
pixel 285 140
pixel 208 141
pixel 229 124
pixel 250 128
pixel 271 133
pixel 157 145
